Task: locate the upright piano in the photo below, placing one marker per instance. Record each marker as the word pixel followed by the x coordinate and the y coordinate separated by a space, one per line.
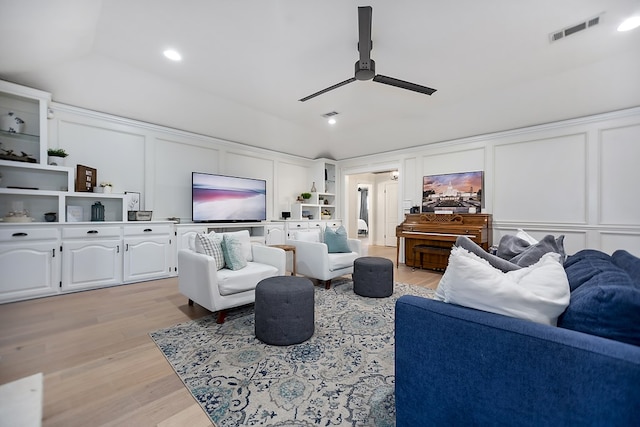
pixel 428 237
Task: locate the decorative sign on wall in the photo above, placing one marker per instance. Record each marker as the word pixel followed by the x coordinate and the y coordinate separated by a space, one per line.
pixel 86 178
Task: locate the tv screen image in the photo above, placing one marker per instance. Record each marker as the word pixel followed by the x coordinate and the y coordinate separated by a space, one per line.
pixel 221 198
pixel 455 192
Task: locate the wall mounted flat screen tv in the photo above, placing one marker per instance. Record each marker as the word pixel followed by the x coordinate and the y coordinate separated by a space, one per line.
pixel 221 198
pixel 455 192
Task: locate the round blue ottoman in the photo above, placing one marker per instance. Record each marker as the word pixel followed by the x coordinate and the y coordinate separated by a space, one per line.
pixel 284 310
pixel 373 277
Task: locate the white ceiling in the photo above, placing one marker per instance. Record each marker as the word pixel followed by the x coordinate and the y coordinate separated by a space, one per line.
pixel 246 63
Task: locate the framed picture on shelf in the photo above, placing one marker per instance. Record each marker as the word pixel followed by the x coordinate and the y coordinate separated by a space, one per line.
pixel 132 200
pixel 86 178
pixel 74 213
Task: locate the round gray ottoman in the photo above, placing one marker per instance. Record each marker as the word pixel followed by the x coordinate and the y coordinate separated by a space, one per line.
pixel 284 310
pixel 373 277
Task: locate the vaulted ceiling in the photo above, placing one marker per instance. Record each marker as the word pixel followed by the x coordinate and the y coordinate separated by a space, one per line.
pixel 247 63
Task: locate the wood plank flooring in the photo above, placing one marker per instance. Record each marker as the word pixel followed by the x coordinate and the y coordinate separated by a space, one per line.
pixel 100 366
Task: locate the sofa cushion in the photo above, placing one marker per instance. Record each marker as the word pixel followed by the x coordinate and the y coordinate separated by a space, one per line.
pixel 605 300
pixel 336 240
pixel 584 265
pixel 538 293
pixel 211 245
pixel 628 263
pixel 235 257
pixel 493 260
pixel 235 281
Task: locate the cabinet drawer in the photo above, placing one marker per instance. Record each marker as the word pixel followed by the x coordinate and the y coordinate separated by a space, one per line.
pixel 90 232
pixel 147 229
pixel 334 224
pixel 293 225
pixel 20 234
pixel 316 225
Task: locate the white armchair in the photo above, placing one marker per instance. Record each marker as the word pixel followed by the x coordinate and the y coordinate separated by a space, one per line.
pixel 218 290
pixel 314 260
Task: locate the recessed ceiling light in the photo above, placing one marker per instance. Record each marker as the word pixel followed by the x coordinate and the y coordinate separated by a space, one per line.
pixel 172 55
pixel 331 121
pixel 630 24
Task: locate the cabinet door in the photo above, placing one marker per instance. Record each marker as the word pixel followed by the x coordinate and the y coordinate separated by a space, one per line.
pixel 29 272
pixel 146 258
pixel 275 235
pixel 90 264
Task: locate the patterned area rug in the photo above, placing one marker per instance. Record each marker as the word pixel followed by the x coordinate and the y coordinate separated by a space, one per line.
pixel 343 375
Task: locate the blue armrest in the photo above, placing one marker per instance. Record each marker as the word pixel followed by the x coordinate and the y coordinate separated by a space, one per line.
pixel 460 366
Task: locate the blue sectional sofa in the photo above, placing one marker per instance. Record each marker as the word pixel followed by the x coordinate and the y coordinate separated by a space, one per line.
pixel 461 366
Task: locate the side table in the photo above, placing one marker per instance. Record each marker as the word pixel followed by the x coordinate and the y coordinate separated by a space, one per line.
pixel 289 248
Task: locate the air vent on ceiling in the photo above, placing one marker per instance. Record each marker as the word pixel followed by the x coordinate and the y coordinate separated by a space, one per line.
pixel 329 114
pixel 565 32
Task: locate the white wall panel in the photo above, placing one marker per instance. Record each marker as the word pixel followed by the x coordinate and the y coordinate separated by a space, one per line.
pixel 541 180
pixel 290 178
pixel 118 155
pixel 620 176
pixel 453 162
pixel 611 241
pixel 173 165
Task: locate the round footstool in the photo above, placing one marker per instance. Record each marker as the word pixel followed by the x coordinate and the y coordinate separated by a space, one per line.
pixel 284 310
pixel 373 277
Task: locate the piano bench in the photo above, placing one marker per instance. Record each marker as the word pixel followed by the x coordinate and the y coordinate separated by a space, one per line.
pixel 429 250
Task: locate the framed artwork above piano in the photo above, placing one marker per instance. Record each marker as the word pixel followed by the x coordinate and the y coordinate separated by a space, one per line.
pixel 428 237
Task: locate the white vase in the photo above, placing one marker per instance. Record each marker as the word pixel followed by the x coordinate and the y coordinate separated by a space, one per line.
pixel 55 161
pixel 11 123
pixel 107 189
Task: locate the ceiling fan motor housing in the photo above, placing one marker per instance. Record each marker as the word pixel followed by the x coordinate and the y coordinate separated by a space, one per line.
pixel 365 71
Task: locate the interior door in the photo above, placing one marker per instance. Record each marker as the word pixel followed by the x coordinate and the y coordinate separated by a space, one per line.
pixel 390 213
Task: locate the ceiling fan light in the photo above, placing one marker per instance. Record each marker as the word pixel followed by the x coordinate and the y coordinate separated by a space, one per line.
pixel 172 55
pixel 629 24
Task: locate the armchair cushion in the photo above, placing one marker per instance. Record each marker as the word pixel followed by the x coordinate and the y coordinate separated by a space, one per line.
pixel 233 282
pixel 341 260
pixel 336 240
pixel 234 256
pixel 211 245
pixel 244 240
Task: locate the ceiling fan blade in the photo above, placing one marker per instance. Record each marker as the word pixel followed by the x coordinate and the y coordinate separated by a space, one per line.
pixel 403 85
pixel 364 34
pixel 306 98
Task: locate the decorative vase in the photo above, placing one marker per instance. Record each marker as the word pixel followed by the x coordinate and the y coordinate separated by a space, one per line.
pixel 313 187
pixel 11 123
pixel 55 161
pixel 107 189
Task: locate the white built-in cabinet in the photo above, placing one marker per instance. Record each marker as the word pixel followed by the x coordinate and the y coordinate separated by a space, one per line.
pixel 92 256
pixel 30 262
pixel 147 252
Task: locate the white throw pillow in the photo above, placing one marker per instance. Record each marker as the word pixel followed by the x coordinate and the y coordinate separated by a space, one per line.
pixel 307 235
pixel 539 293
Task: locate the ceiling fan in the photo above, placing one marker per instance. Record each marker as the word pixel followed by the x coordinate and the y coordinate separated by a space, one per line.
pixel 366 67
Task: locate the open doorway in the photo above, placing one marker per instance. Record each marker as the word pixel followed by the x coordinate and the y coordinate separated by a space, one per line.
pixel 380 199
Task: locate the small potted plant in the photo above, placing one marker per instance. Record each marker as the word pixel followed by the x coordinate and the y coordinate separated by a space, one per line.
pixel 306 196
pixel 106 187
pixel 56 156
pixel 325 214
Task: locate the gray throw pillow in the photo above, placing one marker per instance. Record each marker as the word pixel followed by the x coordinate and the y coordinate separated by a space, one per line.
pixel 496 262
pixel 520 252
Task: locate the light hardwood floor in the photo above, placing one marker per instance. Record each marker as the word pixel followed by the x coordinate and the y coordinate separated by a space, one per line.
pixel 100 366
